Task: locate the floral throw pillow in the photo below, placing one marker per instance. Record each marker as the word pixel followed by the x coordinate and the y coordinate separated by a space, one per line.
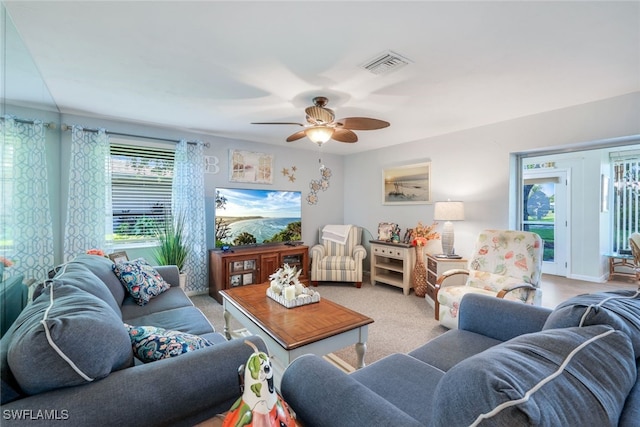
pixel 141 280
pixel 151 343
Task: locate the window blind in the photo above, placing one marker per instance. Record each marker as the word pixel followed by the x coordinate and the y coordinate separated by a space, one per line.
pixel 141 181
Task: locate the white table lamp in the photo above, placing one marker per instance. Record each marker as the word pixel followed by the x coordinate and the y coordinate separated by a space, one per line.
pixel 448 211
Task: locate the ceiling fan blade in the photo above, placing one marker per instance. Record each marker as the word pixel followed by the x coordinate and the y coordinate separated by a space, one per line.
pixel 320 115
pixel 296 136
pixel 276 123
pixel 362 123
pixel 344 135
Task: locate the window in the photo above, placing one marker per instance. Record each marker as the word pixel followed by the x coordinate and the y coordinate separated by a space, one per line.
pixel 141 181
pixel 626 199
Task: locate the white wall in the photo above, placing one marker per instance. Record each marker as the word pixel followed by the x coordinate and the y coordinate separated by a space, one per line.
pixel 474 166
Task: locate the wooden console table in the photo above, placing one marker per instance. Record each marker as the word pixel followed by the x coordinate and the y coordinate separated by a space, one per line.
pixel 252 265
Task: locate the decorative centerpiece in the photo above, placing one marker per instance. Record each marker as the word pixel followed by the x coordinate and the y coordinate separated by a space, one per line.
pixel 287 290
pixel 421 235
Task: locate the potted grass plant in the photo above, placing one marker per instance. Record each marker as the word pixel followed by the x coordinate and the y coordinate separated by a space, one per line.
pixel 172 248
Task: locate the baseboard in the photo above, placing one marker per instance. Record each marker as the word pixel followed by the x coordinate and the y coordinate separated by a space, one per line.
pixel 195 293
pixel 601 279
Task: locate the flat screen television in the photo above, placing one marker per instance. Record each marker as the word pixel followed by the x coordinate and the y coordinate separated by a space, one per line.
pixel 255 216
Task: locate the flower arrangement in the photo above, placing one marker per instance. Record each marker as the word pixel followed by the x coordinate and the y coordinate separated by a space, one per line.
pixel 421 234
pixel 98 252
pixel 4 263
pixel 286 288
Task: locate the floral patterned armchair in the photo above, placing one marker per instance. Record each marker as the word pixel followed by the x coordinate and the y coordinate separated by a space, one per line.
pixel 338 257
pixel 505 263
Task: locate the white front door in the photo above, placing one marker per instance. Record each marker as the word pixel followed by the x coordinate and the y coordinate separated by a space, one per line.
pixel 545 208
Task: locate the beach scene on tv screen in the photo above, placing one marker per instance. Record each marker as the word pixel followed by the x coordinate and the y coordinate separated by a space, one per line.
pixel 254 216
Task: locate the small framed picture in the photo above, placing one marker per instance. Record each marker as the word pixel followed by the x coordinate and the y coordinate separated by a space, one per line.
pixel 237 266
pixel 385 231
pixel 118 257
pixel 235 280
pixel 408 236
pixel 247 279
pixel 250 264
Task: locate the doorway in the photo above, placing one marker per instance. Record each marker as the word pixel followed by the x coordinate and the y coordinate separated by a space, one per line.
pixel 545 195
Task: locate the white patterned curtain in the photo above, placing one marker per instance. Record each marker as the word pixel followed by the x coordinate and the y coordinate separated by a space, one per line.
pixel 89 203
pixel 188 200
pixel 25 199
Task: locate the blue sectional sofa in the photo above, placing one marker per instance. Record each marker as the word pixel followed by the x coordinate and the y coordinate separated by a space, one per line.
pixel 508 364
pixel 101 383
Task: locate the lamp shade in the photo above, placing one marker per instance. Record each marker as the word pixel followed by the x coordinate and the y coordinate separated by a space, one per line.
pixel 319 134
pixel 448 211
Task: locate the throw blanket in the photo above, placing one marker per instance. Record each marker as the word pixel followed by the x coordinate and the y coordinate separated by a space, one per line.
pixel 336 233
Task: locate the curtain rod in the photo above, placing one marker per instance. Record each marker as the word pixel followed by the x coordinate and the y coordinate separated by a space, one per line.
pixel 66 127
pixel 48 125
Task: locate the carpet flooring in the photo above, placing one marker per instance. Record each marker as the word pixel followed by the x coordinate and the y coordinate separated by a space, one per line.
pixel 401 323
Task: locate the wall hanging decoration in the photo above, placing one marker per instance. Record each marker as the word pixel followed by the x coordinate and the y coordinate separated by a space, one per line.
pixel 211 165
pixel 249 166
pixel 317 185
pixel 407 185
pixel 290 173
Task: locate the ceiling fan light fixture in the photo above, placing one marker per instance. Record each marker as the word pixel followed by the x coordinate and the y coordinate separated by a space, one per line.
pixel 319 134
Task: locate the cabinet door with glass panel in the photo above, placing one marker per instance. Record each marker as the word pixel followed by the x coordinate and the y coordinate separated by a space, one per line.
pixel 243 271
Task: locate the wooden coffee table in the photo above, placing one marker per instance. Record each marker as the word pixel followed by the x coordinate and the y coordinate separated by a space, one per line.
pixel 319 328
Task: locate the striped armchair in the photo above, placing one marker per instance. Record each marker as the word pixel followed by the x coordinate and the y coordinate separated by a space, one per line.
pixel 333 261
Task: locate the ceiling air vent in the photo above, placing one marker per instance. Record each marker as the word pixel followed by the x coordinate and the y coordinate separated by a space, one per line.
pixel 385 63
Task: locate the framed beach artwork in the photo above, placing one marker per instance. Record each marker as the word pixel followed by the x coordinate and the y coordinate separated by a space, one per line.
pixel 250 166
pixel 407 185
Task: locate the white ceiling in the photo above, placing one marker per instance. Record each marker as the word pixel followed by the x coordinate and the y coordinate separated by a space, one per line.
pixel 214 67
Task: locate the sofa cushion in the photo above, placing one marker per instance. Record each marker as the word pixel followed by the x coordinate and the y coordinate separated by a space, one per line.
pixel 446 350
pixel 619 309
pixel 66 337
pixel 103 268
pixel 399 379
pixel 78 275
pixel 184 319
pixel 518 382
pixel 141 280
pixel 9 388
pixel 151 343
pixel 631 412
pixel 173 297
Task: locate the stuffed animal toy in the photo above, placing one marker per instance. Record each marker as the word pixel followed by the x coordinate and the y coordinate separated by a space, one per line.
pixel 260 405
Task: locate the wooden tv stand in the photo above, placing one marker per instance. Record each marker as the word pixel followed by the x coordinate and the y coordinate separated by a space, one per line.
pixel 253 265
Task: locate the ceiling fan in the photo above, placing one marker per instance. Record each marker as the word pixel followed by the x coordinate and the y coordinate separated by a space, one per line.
pixel 322 125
